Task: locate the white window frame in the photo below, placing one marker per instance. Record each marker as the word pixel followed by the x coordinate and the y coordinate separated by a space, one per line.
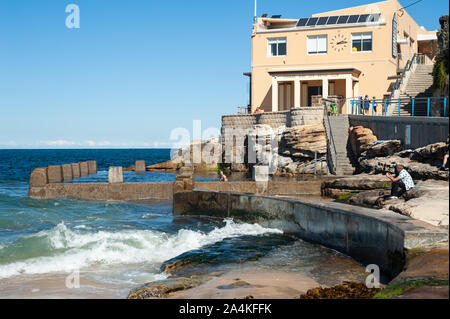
pixel 361 34
pixel 316 38
pixel 276 41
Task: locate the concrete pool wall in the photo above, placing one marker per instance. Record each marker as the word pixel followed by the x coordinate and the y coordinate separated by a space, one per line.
pixel 369 236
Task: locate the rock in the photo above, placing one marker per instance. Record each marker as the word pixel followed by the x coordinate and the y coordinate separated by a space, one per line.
pixel 383 149
pixel 360 139
pixel 204 155
pixel 432 151
pixel 302 142
pixel 161 289
pixel 348 290
pixel 417 170
pixel 429 202
pixel 169 166
pixel 357 183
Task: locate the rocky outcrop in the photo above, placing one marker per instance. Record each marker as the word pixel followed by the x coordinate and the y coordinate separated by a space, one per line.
pixel 383 149
pixel 302 142
pixel 169 166
pixel 428 202
pixel 354 184
pixel 296 150
pixel 360 139
pixel 422 163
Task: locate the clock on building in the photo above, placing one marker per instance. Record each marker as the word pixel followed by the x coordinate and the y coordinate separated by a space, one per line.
pixel 339 42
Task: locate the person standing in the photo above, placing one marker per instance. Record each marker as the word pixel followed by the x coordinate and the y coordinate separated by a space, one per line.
pixel 366 105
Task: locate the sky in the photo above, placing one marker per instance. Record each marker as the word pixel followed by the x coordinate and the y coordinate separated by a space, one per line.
pixel 135 70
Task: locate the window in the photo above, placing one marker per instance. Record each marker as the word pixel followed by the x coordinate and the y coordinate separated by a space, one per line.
pixel 362 42
pixel 276 47
pixel 317 44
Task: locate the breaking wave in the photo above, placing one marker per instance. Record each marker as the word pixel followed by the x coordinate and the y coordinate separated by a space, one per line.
pixel 62 249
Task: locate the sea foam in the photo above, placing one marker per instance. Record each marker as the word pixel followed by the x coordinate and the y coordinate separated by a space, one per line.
pixel 78 248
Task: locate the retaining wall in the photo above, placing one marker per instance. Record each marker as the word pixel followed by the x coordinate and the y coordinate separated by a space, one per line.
pixel 414 132
pixel 369 236
pixel 294 117
pixel 163 191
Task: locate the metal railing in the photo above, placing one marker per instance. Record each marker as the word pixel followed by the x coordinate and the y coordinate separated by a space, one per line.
pixel 418 58
pixel 334 162
pixel 419 106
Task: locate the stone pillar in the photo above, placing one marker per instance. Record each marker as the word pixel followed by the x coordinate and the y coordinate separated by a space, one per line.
pixel 325 88
pixel 297 93
pixel 54 173
pixel 38 177
pixel 76 170
pixel 115 175
pixel 84 170
pixel 356 89
pixel 274 94
pixel 139 167
pixel 304 95
pixel 92 167
pixel 67 172
pixel 348 92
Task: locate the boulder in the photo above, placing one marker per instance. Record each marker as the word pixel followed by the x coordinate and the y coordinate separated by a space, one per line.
pixel 417 170
pixel 383 149
pixel 360 139
pixel 303 142
pixel 169 166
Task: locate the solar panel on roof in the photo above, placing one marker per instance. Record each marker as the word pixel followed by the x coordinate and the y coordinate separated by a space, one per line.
pixel 363 18
pixel 342 19
pixel 312 22
pixel 332 20
pixel 353 18
pixel 302 22
pixel 322 21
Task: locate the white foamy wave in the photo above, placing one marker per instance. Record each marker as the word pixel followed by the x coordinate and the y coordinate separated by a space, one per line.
pixel 84 249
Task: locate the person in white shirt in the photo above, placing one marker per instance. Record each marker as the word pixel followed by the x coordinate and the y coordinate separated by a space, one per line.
pixel 401 183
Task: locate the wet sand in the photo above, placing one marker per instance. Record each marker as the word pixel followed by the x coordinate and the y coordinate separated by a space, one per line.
pixel 260 284
pixel 53 286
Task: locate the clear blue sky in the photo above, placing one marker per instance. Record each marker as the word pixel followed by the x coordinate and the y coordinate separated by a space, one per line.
pixel 135 69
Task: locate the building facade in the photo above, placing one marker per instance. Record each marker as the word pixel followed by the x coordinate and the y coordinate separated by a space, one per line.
pixel 345 54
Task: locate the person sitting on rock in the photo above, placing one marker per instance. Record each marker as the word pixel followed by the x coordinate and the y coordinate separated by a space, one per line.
pixel 223 177
pixel 401 183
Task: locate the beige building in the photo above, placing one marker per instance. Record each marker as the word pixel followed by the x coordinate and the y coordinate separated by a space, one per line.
pixel 345 53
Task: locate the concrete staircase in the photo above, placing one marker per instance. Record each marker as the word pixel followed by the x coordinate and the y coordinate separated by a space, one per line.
pixel 420 85
pixel 336 128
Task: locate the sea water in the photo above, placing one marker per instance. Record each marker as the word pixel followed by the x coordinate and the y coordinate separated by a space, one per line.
pixel 112 247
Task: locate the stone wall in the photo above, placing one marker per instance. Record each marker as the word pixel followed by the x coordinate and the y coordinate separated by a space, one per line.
pixel 369 236
pixel 103 191
pixel 61 173
pixel 414 132
pixel 294 117
pixel 163 191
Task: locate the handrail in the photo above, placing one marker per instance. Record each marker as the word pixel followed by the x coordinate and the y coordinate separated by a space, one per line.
pixel 415 102
pixel 399 81
pixel 331 137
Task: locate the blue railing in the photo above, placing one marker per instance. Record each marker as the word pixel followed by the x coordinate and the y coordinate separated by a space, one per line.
pixel 420 106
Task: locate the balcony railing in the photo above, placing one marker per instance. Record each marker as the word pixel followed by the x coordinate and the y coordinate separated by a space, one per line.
pixel 419 106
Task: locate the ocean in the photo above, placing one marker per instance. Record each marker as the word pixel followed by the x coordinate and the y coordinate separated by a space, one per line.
pixel 114 247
